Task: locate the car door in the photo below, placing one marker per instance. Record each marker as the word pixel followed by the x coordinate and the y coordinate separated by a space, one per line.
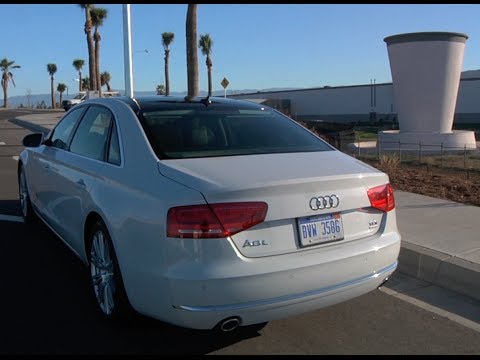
pixel 42 161
pixel 77 171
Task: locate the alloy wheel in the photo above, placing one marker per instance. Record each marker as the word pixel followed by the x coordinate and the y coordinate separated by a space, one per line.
pixel 23 194
pixel 102 271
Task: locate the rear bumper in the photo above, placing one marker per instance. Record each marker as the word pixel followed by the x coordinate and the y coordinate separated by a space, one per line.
pixel 199 295
pixel 296 298
pixel 206 317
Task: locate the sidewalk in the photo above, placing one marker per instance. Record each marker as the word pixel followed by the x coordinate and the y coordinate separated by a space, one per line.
pixel 38 122
pixel 440 238
pixel 440 242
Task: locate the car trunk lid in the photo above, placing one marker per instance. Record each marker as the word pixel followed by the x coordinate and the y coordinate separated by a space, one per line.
pixel 288 183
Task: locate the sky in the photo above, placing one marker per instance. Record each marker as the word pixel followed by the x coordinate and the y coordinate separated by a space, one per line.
pixel 255 46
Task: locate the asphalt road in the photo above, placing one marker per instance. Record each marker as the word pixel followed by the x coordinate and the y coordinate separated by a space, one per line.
pixel 45 307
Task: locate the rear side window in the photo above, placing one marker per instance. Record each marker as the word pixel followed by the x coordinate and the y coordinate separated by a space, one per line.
pixel 194 130
pixel 114 148
pixel 91 137
pixel 64 129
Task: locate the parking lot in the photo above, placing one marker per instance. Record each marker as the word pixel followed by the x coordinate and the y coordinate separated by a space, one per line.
pixel 46 307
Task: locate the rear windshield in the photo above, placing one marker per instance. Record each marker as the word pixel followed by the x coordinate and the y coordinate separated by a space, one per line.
pixel 193 130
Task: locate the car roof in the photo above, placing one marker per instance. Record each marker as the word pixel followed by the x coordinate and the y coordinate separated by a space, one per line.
pixel 146 103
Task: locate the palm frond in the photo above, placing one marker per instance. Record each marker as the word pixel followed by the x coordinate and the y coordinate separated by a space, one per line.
pixel 78 64
pixel 98 16
pixel 167 39
pixel 51 68
pixel 205 44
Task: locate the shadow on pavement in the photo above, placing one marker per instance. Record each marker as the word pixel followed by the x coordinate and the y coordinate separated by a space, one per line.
pixel 46 308
pixel 10 207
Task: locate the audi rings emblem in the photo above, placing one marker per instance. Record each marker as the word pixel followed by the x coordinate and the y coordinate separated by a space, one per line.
pixel 324 202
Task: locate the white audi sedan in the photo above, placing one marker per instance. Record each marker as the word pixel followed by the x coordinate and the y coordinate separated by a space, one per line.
pixel 208 214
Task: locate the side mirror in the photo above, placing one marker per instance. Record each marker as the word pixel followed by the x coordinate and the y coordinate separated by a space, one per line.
pixel 33 140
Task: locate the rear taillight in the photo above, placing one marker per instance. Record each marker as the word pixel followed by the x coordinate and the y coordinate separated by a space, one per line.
pixel 381 197
pixel 214 220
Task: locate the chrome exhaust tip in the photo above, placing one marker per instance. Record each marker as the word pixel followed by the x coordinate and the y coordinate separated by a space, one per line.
pixel 229 324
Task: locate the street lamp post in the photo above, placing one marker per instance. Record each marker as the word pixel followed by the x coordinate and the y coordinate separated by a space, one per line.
pixel 127 50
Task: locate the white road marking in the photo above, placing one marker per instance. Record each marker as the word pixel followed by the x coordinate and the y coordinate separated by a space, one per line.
pixel 11 218
pixel 2 143
pixel 451 316
pixel 15 158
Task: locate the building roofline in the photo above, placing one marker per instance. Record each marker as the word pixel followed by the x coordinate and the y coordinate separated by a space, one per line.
pixel 329 88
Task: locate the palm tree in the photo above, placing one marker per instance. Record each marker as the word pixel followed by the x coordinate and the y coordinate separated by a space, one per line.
pixel 85 84
pixel 205 43
pixel 91 47
pixel 105 79
pixel 98 15
pixel 161 89
pixel 78 65
pixel 167 39
pixel 192 57
pixel 6 66
pixel 52 69
pixel 61 87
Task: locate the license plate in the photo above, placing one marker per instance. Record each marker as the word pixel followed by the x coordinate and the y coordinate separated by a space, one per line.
pixel 320 229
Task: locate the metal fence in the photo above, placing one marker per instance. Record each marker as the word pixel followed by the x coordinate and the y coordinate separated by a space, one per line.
pixel 443 155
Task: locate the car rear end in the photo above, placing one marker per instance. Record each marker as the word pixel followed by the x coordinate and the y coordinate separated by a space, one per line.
pixel 272 251
pixel 280 233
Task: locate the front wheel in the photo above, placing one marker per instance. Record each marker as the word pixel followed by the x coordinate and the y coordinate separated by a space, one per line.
pixel 25 204
pixel 105 277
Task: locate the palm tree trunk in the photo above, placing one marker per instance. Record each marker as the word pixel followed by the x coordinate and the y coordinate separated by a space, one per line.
pixel 167 78
pixel 61 98
pixel 192 57
pixel 91 64
pixel 91 49
pixel 209 68
pixel 80 83
pixel 108 86
pixel 97 62
pixel 5 94
pixel 52 92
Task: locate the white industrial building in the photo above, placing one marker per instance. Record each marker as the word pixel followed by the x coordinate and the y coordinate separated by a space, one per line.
pixel 361 103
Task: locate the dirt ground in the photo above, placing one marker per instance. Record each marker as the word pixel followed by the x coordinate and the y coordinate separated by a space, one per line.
pixel 450 184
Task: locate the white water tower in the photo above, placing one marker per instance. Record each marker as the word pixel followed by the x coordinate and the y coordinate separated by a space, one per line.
pixel 426 69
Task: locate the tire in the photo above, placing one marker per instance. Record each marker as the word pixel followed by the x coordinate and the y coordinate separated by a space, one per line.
pixel 25 204
pixel 105 278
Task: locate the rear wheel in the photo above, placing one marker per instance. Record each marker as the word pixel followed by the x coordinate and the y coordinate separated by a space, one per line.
pixel 25 204
pixel 105 277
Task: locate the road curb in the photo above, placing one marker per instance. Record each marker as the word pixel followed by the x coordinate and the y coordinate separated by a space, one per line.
pixel 29 126
pixel 444 270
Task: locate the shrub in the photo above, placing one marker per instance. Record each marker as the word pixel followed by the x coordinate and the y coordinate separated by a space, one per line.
pixel 389 162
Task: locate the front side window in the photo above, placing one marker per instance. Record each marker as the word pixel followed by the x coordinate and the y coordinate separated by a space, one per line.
pixel 91 137
pixel 63 130
pixel 192 130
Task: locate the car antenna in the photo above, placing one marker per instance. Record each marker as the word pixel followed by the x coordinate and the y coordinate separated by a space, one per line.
pixel 206 101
